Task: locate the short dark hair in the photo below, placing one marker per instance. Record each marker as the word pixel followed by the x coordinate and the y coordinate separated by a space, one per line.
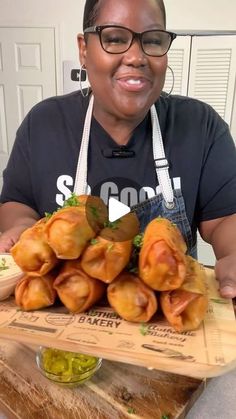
pixel 91 10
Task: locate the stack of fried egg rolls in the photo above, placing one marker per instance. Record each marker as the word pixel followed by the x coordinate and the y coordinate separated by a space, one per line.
pixel 79 256
pixel 186 306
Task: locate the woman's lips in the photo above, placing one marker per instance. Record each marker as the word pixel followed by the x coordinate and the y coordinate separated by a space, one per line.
pixel 133 84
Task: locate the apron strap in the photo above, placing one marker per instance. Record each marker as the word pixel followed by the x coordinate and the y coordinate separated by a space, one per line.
pixel 80 186
pixel 161 163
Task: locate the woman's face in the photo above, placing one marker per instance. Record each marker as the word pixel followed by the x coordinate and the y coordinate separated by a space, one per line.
pixel 124 85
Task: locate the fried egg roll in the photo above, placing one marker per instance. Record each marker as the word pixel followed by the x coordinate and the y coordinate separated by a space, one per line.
pixel 109 253
pixel 32 252
pixel 69 229
pixel 33 293
pixel 77 290
pixel 162 260
pixel 105 259
pixel 185 307
pixel 131 298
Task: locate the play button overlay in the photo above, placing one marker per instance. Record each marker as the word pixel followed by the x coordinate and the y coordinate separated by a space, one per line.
pixel 116 209
pixel 123 225
pixel 122 229
pixel 121 195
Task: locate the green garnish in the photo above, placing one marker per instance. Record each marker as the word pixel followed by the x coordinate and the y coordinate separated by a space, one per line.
pixel 72 201
pixel 113 225
pixel 93 241
pixel 94 211
pixel 3 264
pixel 131 410
pixel 133 270
pixel 48 215
pixel 165 417
pixel 219 301
pixel 137 244
pixel 143 329
pixel 138 241
pixel 110 247
pixel 92 313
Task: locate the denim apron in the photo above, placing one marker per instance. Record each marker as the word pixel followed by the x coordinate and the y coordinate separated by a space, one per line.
pixel 168 204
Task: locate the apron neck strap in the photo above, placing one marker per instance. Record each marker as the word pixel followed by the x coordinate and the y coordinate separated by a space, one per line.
pixel 80 185
pixel 161 164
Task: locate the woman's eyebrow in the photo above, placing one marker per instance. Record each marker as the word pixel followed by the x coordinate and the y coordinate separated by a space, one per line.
pixel 151 27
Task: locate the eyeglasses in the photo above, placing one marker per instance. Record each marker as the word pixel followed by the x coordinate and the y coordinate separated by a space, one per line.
pixel 117 39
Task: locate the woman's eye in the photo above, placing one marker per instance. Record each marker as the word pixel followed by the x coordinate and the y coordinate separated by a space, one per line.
pixel 115 40
pixel 152 41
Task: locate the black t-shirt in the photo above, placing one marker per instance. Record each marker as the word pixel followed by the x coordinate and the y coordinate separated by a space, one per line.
pixel 201 154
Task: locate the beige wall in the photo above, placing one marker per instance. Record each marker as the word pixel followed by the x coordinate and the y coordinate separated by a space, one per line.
pixel 201 14
pixel 67 15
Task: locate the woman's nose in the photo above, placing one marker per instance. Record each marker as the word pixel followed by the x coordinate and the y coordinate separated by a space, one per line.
pixel 135 55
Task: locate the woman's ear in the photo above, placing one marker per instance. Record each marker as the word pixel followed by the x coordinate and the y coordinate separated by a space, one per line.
pixel 82 48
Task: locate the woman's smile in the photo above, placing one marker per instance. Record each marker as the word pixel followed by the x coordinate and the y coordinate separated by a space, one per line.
pixel 131 83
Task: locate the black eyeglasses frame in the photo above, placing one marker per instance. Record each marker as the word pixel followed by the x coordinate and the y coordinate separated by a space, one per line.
pixel 97 30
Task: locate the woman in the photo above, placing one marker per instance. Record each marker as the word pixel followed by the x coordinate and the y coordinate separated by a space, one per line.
pixel 184 171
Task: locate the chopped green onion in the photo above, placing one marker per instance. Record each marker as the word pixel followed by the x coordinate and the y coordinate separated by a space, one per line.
pixel 138 241
pixel 110 247
pixel 143 329
pixel 48 215
pixel 3 265
pixel 131 410
pixel 114 225
pixel 72 201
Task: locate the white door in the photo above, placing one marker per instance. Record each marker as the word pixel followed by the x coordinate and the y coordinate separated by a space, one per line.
pixel 213 71
pixel 27 75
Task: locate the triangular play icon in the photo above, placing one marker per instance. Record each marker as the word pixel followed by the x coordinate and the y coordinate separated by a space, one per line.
pixel 116 209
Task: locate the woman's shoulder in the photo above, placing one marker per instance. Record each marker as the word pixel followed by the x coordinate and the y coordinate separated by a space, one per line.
pixel 71 102
pixel 179 102
pixel 189 109
pixel 184 101
pixel 69 109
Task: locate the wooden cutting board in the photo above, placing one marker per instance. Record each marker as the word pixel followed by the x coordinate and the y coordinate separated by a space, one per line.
pixel 115 390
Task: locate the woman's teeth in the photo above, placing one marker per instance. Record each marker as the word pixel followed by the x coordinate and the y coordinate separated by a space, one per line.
pixel 132 81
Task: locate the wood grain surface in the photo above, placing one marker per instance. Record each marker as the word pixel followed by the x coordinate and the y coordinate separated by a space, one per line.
pixel 116 391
